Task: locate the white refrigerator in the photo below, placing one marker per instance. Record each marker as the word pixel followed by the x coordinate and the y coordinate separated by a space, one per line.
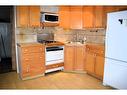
pixel 115 69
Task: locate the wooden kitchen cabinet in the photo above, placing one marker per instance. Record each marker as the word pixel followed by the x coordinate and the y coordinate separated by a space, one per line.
pixel 88 16
pixel 90 62
pixel 70 17
pixel 95 60
pixel 31 60
pixel 22 16
pixel 79 64
pixel 99 17
pixel 74 58
pixel 34 16
pixel 69 56
pixel 93 17
pixel 99 66
pixel 28 16
pixel 76 13
pixel 64 17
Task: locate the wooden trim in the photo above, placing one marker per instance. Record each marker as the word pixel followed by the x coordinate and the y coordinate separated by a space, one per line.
pixel 96 76
pixel 54 66
pixel 32 77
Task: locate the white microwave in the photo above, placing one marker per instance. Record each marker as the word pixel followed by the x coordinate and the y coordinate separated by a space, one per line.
pixel 49 17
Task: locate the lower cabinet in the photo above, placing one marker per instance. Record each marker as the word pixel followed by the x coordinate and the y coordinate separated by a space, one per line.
pixel 99 70
pixel 69 56
pixel 95 61
pixel 90 60
pixel 74 58
pixel 31 60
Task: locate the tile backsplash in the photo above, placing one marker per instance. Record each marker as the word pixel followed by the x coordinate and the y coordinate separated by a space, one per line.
pixel 91 36
pixel 60 34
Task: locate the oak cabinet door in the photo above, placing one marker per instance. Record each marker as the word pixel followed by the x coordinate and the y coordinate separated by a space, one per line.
pixel 90 62
pixel 69 58
pixel 99 17
pixel 64 17
pixel 22 13
pixel 88 16
pixel 76 13
pixel 79 58
pixel 34 16
pixel 99 66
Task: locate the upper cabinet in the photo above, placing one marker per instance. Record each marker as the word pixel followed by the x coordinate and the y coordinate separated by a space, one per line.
pixel 70 17
pixel 76 17
pixel 64 16
pixel 99 17
pixel 22 16
pixel 93 17
pixel 79 17
pixel 34 16
pixel 28 16
pixel 88 16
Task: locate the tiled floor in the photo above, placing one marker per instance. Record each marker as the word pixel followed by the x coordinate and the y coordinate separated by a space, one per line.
pixel 56 80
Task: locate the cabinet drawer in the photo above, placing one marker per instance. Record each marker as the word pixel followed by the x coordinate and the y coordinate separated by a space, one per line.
pixel 32 49
pixel 33 56
pixel 54 66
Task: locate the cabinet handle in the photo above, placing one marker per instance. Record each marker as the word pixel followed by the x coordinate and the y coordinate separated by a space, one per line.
pixel 41 49
pixel 40 57
pixel 27 69
pixel 26 59
pixel 25 50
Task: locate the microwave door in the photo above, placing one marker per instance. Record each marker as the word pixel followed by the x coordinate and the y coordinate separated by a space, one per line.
pixel 51 18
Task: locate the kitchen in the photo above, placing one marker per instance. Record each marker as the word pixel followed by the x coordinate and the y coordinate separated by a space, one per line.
pixel 69 41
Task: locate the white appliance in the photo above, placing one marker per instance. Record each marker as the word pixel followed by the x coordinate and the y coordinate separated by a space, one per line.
pixel 115 70
pixel 54 55
pixel 49 17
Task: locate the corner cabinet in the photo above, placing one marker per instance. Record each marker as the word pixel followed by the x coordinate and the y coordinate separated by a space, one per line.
pixel 74 59
pixel 31 60
pixel 95 60
pixel 99 17
pixel 28 16
pixel 93 17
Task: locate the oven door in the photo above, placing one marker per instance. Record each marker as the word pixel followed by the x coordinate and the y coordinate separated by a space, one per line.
pixel 54 55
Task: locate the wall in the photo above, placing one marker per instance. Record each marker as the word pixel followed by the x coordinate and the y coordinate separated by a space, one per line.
pixel 92 35
pixel 26 35
pixel 60 34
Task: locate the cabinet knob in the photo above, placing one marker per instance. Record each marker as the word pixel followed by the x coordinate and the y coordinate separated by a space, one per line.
pixel 40 57
pixel 25 50
pixel 40 48
pixel 27 69
pixel 26 59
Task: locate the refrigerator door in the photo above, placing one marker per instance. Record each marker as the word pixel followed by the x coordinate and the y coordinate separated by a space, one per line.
pixel 116 36
pixel 115 74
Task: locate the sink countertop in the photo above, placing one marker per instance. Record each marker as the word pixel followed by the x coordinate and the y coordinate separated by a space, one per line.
pixel 75 44
pixel 80 44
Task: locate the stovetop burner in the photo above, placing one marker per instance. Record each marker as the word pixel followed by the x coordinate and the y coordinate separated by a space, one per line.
pixel 46 41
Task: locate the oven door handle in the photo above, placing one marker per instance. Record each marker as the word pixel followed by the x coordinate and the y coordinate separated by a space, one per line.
pixel 54 49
